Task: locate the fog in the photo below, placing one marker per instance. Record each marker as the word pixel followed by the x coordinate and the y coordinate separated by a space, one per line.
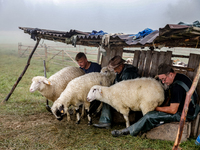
pixel 113 16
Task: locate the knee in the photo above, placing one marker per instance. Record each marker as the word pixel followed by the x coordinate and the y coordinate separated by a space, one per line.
pixel 150 115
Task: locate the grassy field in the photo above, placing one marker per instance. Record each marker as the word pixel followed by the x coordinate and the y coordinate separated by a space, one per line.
pixel 26 124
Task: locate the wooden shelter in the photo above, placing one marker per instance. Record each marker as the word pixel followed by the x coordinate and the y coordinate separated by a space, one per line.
pixel 147 61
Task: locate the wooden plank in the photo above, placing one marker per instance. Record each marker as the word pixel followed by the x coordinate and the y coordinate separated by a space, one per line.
pixel 118 51
pixel 161 58
pixel 147 63
pixel 110 53
pixel 193 62
pixel 105 58
pixel 136 58
pixel 154 64
pixel 141 63
pixel 168 57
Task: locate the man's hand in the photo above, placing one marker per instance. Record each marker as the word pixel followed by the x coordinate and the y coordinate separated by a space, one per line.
pixel 172 109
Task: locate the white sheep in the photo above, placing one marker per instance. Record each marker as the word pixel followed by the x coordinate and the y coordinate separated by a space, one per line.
pixel 141 94
pixel 52 87
pixel 129 61
pixel 76 93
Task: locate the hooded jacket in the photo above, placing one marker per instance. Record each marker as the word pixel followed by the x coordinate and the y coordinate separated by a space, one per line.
pixel 128 72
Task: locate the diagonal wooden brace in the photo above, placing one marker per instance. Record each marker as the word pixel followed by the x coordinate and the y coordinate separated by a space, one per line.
pixel 26 67
pixel 185 110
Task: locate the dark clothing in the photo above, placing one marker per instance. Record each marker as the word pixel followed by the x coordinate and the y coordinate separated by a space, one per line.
pixel 150 120
pixel 128 72
pixel 177 95
pixel 94 67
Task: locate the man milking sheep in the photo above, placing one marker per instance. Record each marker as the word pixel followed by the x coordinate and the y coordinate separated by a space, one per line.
pixel 172 107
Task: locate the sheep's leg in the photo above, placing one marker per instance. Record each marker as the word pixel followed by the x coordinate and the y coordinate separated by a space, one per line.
pixel 145 108
pixel 83 111
pixel 99 108
pixel 77 115
pixel 127 120
pixel 87 107
pixel 89 118
pixel 68 115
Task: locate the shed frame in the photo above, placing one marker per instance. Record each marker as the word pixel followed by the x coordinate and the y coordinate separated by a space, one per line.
pixel 146 61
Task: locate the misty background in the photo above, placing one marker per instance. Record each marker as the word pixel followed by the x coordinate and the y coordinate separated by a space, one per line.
pixel 111 16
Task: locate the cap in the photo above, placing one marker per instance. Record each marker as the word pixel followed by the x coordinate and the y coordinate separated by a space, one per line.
pixel 164 69
pixel 115 62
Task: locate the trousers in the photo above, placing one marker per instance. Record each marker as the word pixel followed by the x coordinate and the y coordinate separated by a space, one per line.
pixel 152 119
pixel 106 116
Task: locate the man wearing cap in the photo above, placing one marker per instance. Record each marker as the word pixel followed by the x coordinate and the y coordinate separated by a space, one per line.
pixel 124 72
pixel 172 107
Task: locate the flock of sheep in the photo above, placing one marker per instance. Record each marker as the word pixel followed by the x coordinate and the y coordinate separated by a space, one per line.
pixel 72 87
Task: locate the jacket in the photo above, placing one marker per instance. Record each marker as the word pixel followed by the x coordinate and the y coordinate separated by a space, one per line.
pixel 128 72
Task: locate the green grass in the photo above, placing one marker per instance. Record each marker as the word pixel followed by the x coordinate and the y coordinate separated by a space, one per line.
pixel 26 124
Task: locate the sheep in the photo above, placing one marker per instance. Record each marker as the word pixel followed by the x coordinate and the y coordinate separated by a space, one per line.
pixel 140 94
pixel 52 87
pixel 76 92
pixel 129 61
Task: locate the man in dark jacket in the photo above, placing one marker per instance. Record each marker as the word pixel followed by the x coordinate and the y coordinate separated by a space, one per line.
pixel 124 72
pixel 178 84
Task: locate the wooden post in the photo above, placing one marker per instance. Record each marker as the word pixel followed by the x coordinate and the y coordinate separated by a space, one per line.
pixel 26 67
pixel 45 50
pixel 47 101
pixel 185 109
pixel 19 49
pixel 85 51
pixel 110 53
pixel 63 57
pixel 98 55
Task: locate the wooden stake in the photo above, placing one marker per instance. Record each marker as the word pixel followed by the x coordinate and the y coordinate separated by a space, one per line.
pixel 185 110
pixel 47 101
pixel 26 67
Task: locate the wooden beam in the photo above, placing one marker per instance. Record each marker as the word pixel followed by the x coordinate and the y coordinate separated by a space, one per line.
pixel 185 110
pixel 26 67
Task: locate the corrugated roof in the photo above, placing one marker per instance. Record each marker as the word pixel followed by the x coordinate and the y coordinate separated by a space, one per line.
pixel 171 35
pixel 179 36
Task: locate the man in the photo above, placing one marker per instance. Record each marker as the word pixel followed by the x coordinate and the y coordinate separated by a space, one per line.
pixel 86 65
pixel 178 84
pixel 124 72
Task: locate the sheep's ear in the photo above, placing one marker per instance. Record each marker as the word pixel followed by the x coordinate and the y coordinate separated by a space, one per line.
pixel 47 82
pixel 100 91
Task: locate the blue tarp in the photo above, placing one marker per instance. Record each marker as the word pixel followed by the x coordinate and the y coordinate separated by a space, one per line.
pixel 143 33
pixel 94 32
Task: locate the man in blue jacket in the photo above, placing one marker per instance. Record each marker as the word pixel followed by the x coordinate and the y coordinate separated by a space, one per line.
pixel 88 67
pixel 85 65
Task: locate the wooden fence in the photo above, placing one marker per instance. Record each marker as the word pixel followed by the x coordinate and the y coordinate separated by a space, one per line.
pixel 61 55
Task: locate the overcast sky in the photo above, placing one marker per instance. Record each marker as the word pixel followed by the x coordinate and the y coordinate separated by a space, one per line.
pixel 111 16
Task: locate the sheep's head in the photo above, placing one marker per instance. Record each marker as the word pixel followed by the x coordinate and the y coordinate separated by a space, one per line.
pixel 58 111
pixel 94 93
pixel 110 73
pixel 38 83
